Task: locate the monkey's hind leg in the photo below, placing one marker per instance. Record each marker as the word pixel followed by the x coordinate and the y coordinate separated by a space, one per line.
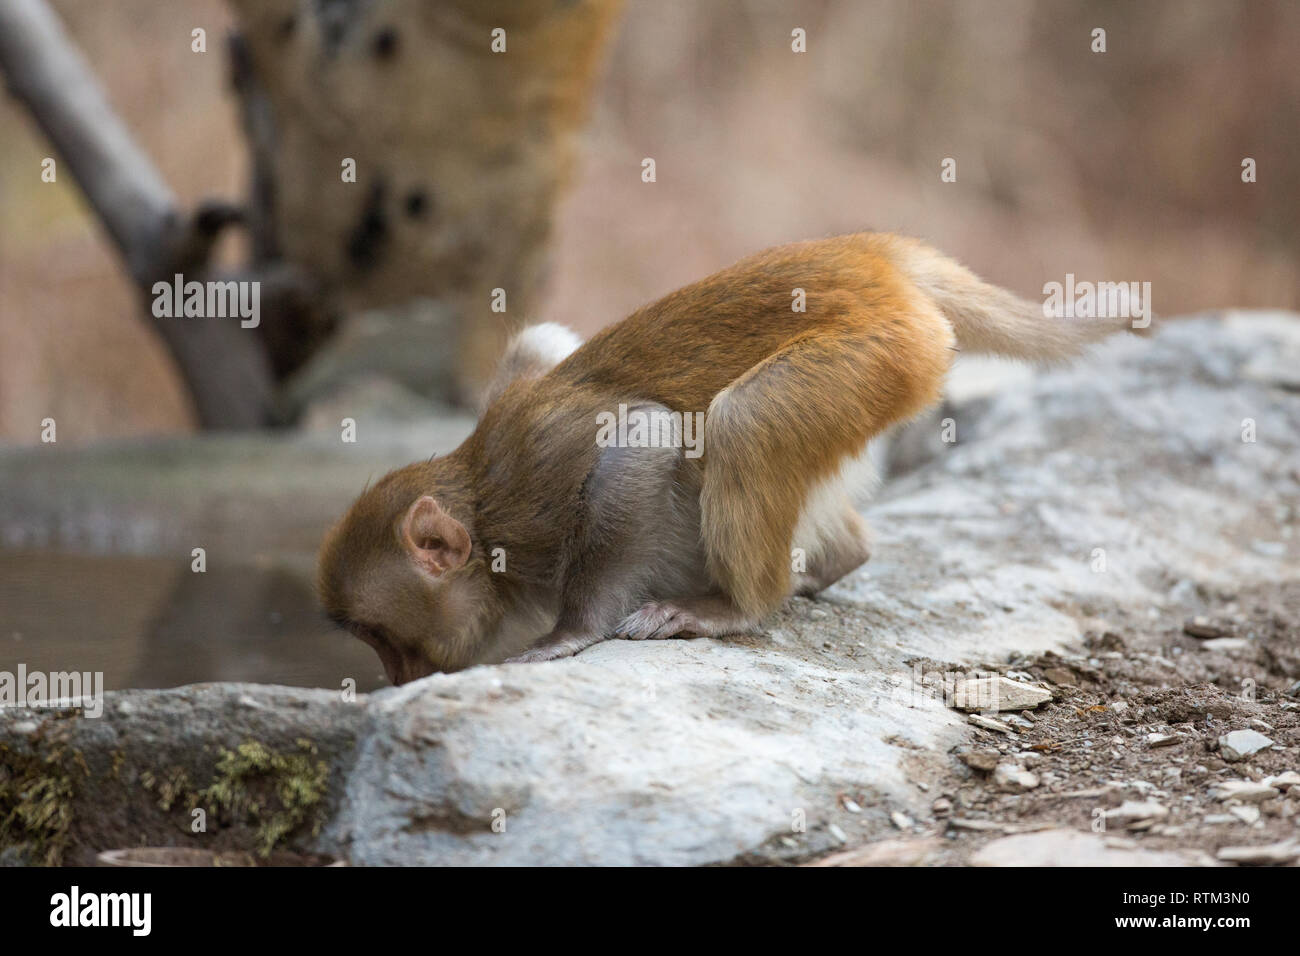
pixel 789 424
pixel 841 544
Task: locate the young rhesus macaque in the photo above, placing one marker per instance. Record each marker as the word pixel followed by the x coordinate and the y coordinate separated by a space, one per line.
pixel 535 538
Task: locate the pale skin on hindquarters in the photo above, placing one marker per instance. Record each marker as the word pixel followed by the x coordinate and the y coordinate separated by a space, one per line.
pixel 647 542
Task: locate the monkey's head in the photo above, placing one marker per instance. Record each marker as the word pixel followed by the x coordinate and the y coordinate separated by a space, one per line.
pixel 400 572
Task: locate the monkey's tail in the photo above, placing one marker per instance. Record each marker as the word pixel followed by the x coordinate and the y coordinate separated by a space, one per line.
pixel 989 319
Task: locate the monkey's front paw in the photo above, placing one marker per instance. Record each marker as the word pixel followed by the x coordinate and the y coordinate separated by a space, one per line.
pixel 658 621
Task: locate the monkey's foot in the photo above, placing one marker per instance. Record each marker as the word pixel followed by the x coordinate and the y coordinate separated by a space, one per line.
pixel 705 617
pixel 554 646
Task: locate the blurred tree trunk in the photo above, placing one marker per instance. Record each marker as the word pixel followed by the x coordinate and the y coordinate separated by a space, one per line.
pixel 227 373
pixel 461 153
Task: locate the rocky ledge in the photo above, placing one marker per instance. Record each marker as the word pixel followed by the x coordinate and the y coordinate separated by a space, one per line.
pixel 1090 532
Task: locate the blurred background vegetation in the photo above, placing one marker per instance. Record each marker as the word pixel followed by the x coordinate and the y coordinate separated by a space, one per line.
pixel 1123 166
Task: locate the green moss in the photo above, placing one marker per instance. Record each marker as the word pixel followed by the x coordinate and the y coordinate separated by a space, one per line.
pixel 36 793
pixel 279 793
pixel 175 783
pixel 172 786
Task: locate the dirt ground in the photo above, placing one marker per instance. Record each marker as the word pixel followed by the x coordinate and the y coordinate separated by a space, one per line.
pixel 1128 747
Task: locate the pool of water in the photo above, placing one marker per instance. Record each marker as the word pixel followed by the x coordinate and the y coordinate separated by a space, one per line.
pixel 151 622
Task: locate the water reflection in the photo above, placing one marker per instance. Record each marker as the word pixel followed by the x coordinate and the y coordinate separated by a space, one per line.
pixel 148 622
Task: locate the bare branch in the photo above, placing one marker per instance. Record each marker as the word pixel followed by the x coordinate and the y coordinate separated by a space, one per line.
pixel 48 74
pixel 225 368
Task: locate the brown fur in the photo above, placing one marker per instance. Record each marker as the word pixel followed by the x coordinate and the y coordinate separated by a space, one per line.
pixel 790 397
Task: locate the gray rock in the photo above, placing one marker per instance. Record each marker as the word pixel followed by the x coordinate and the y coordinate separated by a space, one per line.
pixel 370 399
pixel 1247 791
pixel 998 693
pixel 988 723
pixel 1072 848
pixel 1227 645
pixel 981 760
pixel 1163 740
pixel 1271 854
pixel 976 826
pixel 1240 744
pixel 1283 781
pixel 900 851
pixel 1204 628
pixel 131 773
pixel 1010 778
pixel 406 346
pixel 1132 811
pixel 1246 813
pixel 1219 819
pixel 703 751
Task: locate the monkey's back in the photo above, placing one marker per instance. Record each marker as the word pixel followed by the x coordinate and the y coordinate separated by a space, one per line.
pixel 686 347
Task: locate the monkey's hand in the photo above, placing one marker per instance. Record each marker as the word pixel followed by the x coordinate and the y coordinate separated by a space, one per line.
pixel 555 645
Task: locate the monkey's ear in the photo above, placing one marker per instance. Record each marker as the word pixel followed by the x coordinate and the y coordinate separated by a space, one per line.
pixel 435 540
